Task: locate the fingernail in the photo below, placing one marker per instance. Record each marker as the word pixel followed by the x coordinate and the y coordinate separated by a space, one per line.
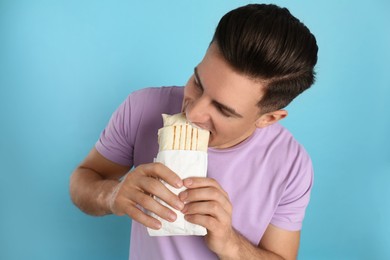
pixel 187 182
pixel 179 184
pixel 172 216
pixel 179 205
pixel 183 195
pixel 157 225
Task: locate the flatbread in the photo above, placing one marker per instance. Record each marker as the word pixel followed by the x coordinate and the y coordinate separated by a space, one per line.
pixel 179 134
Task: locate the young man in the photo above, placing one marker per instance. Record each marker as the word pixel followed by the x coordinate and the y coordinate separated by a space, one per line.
pixel 259 178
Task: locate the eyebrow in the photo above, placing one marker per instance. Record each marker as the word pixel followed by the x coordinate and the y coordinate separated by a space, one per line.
pixel 230 110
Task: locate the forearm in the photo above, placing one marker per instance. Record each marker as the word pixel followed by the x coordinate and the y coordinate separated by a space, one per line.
pixel 241 248
pixel 91 192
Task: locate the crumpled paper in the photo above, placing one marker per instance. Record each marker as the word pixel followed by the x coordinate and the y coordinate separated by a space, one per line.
pixel 185 164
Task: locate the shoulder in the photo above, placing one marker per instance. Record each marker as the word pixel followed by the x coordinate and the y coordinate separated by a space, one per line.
pixel 295 164
pixel 151 100
pixel 154 101
pixel 278 139
pixel 287 158
pixel 161 94
pixel 292 170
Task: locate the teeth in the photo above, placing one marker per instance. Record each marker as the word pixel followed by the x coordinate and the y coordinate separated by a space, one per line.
pixel 179 134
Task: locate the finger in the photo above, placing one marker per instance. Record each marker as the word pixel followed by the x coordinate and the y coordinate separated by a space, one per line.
pixel 157 208
pixel 161 171
pixel 139 216
pixel 199 182
pixel 206 194
pixel 205 221
pixel 158 189
pixel 199 194
pixel 210 208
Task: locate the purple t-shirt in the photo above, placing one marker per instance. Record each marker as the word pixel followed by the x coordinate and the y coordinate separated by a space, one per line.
pixel 268 176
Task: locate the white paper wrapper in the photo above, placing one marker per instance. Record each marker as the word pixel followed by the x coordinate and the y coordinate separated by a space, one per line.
pixel 185 164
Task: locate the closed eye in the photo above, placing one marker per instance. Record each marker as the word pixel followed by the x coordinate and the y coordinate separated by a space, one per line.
pixel 223 111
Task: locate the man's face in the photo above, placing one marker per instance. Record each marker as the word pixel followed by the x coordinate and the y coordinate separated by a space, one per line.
pixel 222 101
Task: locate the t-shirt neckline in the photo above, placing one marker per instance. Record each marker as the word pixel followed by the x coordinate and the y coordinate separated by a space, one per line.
pixel 237 146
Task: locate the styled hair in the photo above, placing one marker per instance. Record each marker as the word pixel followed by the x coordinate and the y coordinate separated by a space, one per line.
pixel 267 43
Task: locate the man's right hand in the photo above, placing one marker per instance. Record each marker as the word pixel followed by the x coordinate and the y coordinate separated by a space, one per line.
pixel 137 189
pixel 95 188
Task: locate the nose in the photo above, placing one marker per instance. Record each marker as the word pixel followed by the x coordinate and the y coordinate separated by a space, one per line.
pixel 197 112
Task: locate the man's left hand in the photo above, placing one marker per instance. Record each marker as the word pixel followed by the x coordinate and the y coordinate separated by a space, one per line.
pixel 208 205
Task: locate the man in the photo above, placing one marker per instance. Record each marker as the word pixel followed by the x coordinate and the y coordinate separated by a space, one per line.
pixel 259 178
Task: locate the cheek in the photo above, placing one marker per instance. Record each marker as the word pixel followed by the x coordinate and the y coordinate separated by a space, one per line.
pixel 229 130
pixel 187 103
pixel 190 91
pixel 222 126
pixel 190 95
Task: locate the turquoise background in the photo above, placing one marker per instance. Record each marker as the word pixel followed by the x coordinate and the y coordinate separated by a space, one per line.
pixel 66 65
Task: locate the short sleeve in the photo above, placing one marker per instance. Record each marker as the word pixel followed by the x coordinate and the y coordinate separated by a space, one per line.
pixel 115 141
pixel 291 209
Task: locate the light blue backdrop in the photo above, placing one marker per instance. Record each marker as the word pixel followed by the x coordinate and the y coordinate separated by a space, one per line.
pixel 66 65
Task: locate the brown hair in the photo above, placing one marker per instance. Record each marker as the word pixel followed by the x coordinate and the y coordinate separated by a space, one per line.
pixel 268 43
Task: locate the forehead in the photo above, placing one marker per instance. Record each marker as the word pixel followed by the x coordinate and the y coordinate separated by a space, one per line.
pixel 222 83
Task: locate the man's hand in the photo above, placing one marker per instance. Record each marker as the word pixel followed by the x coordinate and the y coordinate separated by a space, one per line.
pixel 208 205
pixel 95 188
pixel 137 189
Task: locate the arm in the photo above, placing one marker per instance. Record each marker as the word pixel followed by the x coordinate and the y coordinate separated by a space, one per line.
pixel 93 181
pixel 276 243
pixel 283 242
pixel 215 215
pixel 96 189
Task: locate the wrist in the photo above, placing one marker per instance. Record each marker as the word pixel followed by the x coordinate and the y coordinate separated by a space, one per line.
pixel 106 196
pixel 232 248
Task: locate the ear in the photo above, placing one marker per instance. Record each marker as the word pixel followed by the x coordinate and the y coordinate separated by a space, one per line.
pixel 270 118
